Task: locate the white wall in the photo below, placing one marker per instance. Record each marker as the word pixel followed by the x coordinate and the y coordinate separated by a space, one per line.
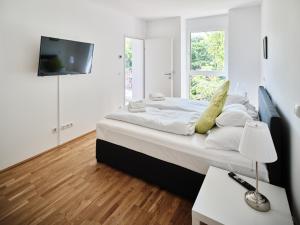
pixel 244 50
pixel 169 28
pixel 184 78
pixel 29 103
pixel 280 22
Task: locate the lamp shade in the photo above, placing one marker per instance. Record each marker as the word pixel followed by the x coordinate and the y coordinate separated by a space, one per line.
pixel 256 143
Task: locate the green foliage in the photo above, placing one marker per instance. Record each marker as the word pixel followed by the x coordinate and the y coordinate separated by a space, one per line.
pixel 207 51
pixel 128 53
pixel 204 87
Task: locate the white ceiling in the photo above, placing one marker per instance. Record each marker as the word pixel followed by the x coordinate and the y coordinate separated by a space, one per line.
pixel 154 9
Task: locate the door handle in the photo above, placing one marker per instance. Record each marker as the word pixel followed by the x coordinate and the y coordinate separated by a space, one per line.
pixel 167 74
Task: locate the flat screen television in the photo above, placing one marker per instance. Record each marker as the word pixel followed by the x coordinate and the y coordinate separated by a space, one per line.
pixel 64 57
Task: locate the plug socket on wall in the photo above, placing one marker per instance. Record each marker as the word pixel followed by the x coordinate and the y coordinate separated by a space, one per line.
pixel 66 126
pixel 63 127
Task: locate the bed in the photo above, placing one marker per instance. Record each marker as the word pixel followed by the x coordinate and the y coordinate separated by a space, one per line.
pixel 178 163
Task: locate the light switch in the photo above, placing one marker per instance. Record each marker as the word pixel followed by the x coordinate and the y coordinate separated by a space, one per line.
pixel 297 110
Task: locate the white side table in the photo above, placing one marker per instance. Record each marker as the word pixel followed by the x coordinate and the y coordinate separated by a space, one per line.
pixel 221 201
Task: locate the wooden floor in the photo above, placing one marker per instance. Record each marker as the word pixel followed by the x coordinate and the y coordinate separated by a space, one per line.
pixel 67 186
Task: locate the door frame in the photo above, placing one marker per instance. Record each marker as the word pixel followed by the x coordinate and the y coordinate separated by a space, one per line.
pixel 172 67
pixel 124 43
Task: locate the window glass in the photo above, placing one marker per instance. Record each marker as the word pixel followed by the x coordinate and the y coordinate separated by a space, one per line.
pixel 207 51
pixel 203 87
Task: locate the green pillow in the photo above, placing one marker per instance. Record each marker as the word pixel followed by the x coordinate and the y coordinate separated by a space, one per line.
pixel 208 118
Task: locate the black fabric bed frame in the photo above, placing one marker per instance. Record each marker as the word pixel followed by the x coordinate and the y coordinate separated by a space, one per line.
pixel 179 180
pixel 168 176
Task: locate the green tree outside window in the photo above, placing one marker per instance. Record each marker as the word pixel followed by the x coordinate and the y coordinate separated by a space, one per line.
pixel 207 54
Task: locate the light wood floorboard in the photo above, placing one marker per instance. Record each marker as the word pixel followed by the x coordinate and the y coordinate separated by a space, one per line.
pixel 67 186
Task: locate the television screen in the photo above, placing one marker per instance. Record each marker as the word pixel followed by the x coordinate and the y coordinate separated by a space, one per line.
pixel 62 57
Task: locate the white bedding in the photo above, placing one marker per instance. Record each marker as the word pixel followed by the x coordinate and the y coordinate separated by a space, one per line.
pixel 179 104
pixel 172 121
pixel 186 151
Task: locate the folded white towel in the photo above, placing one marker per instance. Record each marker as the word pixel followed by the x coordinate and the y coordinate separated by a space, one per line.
pixel 136 104
pixel 156 97
pixel 136 110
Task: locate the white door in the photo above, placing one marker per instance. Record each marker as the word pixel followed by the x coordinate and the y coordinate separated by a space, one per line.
pixel 159 66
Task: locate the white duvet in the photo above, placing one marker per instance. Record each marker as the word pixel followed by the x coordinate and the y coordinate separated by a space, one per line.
pixel 179 104
pixel 172 121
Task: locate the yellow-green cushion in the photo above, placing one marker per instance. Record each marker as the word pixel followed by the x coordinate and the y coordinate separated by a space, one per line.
pixel 208 118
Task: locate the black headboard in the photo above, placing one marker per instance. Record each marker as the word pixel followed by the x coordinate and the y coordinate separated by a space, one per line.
pixel 269 114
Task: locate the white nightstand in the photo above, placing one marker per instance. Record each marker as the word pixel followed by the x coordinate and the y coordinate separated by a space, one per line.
pixel 221 201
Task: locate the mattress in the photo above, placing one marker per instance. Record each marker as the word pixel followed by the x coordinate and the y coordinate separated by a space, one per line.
pixel 186 151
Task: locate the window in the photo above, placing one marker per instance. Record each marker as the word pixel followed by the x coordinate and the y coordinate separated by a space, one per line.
pixel 203 87
pixel 207 63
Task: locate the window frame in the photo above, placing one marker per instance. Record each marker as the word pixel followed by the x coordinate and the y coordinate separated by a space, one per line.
pixel 205 24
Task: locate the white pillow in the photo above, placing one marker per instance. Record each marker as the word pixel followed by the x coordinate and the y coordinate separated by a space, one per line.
pixel 225 138
pixel 250 109
pixel 234 107
pixel 236 99
pixel 233 118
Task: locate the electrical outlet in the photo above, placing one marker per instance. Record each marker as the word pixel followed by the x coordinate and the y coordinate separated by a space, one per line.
pixel 66 126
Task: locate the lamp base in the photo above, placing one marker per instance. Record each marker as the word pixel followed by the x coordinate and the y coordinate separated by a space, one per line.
pixel 257 201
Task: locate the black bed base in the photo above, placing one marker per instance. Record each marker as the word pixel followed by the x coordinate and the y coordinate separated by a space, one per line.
pixel 171 177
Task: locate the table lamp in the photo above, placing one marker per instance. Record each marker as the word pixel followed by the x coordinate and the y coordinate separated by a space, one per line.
pixel 257 144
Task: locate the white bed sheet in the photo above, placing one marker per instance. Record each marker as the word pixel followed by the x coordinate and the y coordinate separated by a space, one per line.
pixel 186 151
